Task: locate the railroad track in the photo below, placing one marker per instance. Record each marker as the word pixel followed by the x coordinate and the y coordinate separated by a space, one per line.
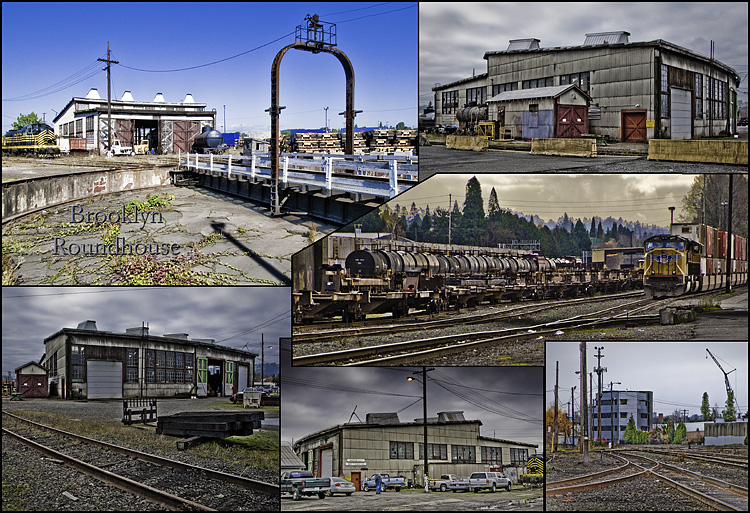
pixel 157 479
pixel 709 491
pixel 727 460
pixel 405 353
pixel 513 312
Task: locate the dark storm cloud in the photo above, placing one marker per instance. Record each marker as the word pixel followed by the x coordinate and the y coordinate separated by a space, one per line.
pixel 319 398
pixel 32 314
pixel 453 37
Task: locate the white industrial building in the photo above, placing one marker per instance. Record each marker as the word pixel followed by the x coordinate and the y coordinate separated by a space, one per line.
pixel 617 407
pixel 169 127
pixel 638 91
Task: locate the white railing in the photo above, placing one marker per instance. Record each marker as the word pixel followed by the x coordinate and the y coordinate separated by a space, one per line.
pixel 377 175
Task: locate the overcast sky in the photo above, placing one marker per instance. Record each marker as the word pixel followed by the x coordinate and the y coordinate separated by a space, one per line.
pixel 643 198
pixel 380 40
pixel 508 400
pixel 454 36
pixel 676 372
pixel 232 316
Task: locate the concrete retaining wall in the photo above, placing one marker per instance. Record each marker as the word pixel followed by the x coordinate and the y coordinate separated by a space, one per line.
pixel 465 142
pixel 725 433
pixel 714 152
pixel 567 147
pixel 24 196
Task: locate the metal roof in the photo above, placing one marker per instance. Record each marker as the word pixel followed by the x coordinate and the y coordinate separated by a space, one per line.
pixel 611 38
pixel 536 92
pixel 289 460
pixel 523 44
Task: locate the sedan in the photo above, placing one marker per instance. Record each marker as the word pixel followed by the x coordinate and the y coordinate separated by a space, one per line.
pixel 341 485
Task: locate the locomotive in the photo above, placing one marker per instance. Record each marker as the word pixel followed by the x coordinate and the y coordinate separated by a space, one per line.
pixel 692 258
pixel 31 139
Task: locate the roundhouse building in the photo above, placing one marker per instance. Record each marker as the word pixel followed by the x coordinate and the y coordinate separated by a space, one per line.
pixel 383 444
pixel 168 127
pixel 638 91
pixel 88 363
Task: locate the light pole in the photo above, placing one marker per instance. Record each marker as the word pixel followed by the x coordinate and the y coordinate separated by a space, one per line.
pixel 326 109
pixel 424 420
pixel 671 218
pixel 612 414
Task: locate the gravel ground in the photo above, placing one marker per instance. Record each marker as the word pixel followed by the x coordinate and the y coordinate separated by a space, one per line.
pixel 729 474
pixel 32 483
pixel 566 466
pixel 639 494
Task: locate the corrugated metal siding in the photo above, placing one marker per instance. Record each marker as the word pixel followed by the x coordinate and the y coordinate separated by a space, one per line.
pixel 606 37
pixel 104 380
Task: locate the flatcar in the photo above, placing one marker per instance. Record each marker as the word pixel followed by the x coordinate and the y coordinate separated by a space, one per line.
pixel 32 139
pixel 693 258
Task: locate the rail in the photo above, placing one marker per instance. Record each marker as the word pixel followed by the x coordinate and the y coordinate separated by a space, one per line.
pixel 383 176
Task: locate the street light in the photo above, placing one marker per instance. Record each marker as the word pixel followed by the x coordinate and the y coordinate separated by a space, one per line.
pixel 612 410
pixel 424 420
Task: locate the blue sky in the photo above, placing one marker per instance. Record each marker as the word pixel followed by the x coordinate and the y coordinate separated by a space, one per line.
pixel 380 39
pixel 232 316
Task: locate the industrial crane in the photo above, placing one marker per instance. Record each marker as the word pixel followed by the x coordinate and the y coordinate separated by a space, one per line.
pixel 726 380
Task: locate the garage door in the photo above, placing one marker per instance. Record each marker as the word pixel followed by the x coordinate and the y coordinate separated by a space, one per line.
pixel 242 377
pixel 104 380
pixel 572 120
pixel 326 463
pixel 681 114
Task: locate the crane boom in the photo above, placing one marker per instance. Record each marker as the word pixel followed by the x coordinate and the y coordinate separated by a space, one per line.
pixel 730 393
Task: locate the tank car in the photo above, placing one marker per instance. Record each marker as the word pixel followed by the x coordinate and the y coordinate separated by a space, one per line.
pixel 208 141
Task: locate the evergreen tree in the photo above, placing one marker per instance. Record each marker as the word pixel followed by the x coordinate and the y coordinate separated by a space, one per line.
pixel 706 407
pixel 473 225
pixel 581 240
pixel 592 230
pixel 680 433
pixel 426 228
pixel 630 431
pixel 729 413
pixel 600 231
pixel 493 206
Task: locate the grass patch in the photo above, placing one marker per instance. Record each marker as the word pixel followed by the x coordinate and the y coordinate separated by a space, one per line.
pixel 12 500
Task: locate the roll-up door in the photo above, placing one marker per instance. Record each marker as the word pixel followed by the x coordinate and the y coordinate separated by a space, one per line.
pixel 104 379
pixel 681 113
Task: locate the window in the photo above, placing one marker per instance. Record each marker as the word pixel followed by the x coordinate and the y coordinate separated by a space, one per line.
pixel 131 369
pixel 606 402
pixel 501 88
pixel 538 82
pixel 434 451
pixel 188 367
pixel 463 453
pixel 717 97
pixel 623 402
pixel 519 456
pixel 623 415
pixel 78 363
pixel 168 367
pixel 492 455
pixel 664 91
pixel 90 125
pixel 534 108
pixel 476 94
pixel 644 415
pixel 402 451
pixel 79 128
pixel 698 95
pixel 579 79
pixel 450 102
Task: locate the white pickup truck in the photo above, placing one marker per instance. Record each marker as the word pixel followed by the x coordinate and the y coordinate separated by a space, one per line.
pixel 442 484
pixel 118 149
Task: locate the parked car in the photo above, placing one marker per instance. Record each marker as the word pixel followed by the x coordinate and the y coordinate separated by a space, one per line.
pixel 443 483
pixel 462 484
pixel 302 482
pixel 488 481
pixel 341 485
pixel 388 482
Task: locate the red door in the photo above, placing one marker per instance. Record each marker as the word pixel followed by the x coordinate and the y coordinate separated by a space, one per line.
pixel 634 127
pixel 572 120
pixel 357 480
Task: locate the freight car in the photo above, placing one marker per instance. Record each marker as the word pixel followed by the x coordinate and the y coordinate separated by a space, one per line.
pixel 395 280
pixel 209 141
pixel 33 139
pixel 693 258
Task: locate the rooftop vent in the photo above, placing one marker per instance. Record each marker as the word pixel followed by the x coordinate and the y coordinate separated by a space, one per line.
pixel 188 98
pixel 140 331
pixel 523 44
pixel 204 340
pixel 610 38
pixel 430 420
pixel 93 94
pixel 180 336
pixel 159 98
pixel 382 418
pixel 88 325
pixel 127 97
pixel 451 416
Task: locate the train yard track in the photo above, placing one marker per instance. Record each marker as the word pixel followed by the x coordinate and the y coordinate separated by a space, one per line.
pixel 329 331
pixel 408 352
pixel 169 483
pixel 709 491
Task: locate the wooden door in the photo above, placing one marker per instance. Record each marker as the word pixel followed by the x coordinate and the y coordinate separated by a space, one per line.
pixel 634 126
pixel 357 480
pixel 572 120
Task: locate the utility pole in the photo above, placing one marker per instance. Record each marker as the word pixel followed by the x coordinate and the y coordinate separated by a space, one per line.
pixel 450 214
pixel 584 414
pixel 554 422
pixel 424 420
pixel 599 369
pixel 729 238
pixel 572 416
pixel 109 97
